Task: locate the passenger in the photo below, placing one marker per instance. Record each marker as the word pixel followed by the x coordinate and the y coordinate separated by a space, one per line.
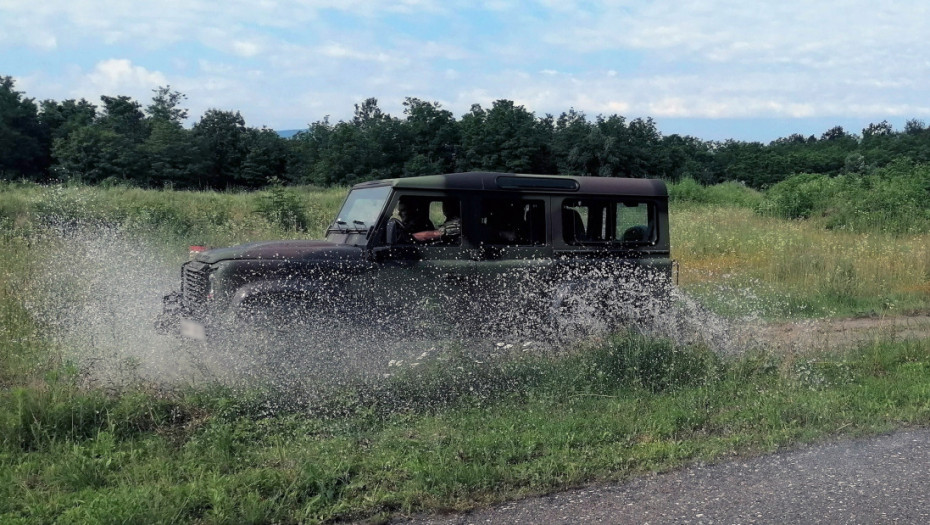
pixel 449 230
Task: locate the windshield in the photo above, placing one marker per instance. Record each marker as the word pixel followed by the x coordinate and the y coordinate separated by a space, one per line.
pixel 361 210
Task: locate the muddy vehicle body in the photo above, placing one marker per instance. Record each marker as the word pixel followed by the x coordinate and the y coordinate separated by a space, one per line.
pixel 468 249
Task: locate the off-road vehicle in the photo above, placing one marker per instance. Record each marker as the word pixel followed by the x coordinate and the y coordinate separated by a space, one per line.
pixel 475 250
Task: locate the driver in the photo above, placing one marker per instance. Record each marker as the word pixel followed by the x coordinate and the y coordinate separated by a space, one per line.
pixel 414 219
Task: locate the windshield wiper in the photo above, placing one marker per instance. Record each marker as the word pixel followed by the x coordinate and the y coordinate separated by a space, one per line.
pixel 341 227
pixel 360 226
pixel 338 226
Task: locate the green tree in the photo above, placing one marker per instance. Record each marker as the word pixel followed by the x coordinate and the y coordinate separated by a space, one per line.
pixel 173 157
pixel 506 137
pixel 751 163
pixel 834 133
pixel 880 145
pixel 166 104
pixel 123 116
pixel 310 149
pixel 610 140
pixel 59 119
pixel 574 153
pixel 382 144
pixel 645 157
pixel 21 151
pixel 222 136
pixel 686 157
pixel 267 158
pixel 880 129
pixel 95 154
pixel 434 136
pixel 331 153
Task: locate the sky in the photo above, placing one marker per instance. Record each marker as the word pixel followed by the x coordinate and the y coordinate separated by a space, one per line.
pixel 713 69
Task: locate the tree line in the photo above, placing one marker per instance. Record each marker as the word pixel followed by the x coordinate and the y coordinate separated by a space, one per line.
pixel 120 141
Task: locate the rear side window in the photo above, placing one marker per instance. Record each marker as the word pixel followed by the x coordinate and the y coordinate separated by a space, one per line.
pixel 597 221
pixel 515 222
pixel 634 224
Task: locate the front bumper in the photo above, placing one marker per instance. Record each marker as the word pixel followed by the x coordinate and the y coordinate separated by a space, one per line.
pixel 175 320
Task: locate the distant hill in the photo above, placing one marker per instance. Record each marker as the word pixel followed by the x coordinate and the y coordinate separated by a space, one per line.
pixel 288 133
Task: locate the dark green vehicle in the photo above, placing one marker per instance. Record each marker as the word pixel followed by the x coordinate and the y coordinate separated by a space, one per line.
pixel 473 250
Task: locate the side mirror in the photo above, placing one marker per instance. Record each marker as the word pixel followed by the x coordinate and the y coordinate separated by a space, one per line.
pixel 392 232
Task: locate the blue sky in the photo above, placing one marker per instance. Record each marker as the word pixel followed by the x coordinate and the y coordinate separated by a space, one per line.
pixel 714 69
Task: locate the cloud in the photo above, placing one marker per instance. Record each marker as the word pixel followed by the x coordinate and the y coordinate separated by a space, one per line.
pixel 341 51
pixel 118 76
pixel 734 31
pixel 290 63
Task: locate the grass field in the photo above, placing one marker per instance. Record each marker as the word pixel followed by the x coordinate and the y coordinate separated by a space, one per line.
pixel 741 263
pixel 450 434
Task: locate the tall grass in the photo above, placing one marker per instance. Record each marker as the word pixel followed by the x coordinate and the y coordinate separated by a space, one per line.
pixel 747 263
pixel 179 217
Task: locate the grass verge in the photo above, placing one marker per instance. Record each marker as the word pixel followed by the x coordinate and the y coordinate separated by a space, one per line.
pixel 449 436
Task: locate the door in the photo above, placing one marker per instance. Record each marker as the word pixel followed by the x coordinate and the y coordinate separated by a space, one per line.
pixel 513 262
pixel 424 275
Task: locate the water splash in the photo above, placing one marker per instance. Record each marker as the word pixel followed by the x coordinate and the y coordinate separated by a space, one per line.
pixel 101 288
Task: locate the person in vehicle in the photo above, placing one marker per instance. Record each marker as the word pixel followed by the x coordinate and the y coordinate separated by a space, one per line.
pixel 449 230
pixel 413 217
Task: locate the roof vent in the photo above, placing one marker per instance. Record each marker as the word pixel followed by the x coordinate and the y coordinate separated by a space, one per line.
pixel 536 183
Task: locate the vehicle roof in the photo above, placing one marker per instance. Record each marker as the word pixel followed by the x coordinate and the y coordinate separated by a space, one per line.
pixel 483 180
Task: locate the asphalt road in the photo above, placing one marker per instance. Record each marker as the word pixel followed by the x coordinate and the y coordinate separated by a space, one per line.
pixel 884 479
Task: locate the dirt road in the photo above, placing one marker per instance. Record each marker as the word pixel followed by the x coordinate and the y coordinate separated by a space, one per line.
pixel 876 480
pixel 837 333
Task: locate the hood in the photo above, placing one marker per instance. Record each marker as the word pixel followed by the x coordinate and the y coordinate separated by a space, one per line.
pixel 283 250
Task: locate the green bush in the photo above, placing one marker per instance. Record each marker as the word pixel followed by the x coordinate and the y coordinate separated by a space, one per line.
pixel 282 207
pixel 726 193
pixel 892 199
pixel 798 196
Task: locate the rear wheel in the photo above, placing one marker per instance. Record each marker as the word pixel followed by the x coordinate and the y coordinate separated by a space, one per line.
pixel 576 311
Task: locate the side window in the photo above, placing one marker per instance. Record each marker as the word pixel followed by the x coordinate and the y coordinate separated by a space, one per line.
pixel 513 222
pixel 585 221
pixel 633 224
pixel 426 221
pixel 594 221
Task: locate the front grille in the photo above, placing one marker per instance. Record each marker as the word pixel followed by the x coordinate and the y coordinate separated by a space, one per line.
pixel 195 284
